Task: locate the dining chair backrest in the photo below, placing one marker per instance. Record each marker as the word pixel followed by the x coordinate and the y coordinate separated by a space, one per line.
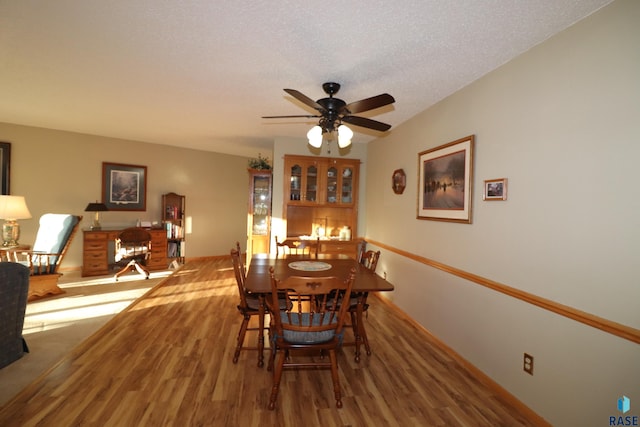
pixel 369 260
pixel 307 247
pixel 313 313
pixel 240 272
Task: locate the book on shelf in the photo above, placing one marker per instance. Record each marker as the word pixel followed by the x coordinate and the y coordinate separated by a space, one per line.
pixel 174 231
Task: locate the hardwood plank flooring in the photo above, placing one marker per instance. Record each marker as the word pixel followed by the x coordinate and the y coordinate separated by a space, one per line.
pixel 167 360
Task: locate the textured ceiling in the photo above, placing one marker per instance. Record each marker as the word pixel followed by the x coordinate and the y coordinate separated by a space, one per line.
pixel 201 73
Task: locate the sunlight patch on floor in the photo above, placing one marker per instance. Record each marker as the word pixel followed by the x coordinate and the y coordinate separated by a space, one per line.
pixel 102 297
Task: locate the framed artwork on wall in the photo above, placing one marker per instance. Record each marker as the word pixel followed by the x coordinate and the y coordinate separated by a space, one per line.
pixel 445 181
pixel 124 187
pixel 5 166
pixel 495 189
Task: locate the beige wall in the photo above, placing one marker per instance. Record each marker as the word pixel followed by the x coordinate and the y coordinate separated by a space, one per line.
pixel 561 123
pixel 62 171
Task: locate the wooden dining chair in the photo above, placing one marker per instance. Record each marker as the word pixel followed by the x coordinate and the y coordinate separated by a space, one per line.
pixel 248 307
pixel 369 259
pixel 307 247
pixel 312 320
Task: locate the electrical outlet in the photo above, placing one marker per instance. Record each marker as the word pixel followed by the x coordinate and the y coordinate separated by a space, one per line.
pixel 384 275
pixel 528 364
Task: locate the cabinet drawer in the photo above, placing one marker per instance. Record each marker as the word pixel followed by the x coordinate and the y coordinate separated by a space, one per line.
pixel 94 245
pixel 94 265
pixel 90 267
pixel 338 248
pixel 93 256
pixel 96 235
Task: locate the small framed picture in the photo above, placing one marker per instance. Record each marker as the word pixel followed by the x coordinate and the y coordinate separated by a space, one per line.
pixel 495 189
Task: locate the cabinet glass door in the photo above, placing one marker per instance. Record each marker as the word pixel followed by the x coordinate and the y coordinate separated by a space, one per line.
pixel 295 185
pixel 332 185
pixel 311 194
pixel 261 205
pixel 346 195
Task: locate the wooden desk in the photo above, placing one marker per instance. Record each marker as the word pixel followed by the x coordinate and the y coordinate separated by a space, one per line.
pixel 259 281
pixel 98 247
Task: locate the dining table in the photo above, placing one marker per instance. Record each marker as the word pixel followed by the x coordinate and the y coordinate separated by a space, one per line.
pixel 258 281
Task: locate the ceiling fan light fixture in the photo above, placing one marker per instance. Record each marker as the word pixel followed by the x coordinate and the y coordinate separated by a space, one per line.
pixel 344 136
pixel 315 136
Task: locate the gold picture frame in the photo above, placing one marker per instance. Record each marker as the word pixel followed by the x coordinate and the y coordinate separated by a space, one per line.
pixel 445 181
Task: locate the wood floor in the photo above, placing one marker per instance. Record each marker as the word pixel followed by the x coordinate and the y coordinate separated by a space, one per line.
pixel 167 360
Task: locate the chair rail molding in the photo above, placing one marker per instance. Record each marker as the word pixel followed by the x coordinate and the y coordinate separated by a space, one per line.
pixel 614 328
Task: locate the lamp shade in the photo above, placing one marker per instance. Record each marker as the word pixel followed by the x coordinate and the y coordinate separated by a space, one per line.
pixel 96 207
pixel 13 207
pixel 344 136
pixel 315 136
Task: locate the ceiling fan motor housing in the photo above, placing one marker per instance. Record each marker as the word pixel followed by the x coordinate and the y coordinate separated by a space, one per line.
pixel 333 111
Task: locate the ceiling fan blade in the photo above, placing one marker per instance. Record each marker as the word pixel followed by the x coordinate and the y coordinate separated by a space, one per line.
pixel 370 103
pixel 306 116
pixel 304 99
pixel 366 123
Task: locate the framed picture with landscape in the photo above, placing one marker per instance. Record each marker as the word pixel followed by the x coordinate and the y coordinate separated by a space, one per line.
pixel 124 187
pixel 445 180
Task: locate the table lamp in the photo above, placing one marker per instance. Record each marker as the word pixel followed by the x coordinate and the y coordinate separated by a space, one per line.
pixel 97 208
pixel 12 208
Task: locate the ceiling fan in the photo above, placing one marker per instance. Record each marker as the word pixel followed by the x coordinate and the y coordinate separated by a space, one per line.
pixel 332 112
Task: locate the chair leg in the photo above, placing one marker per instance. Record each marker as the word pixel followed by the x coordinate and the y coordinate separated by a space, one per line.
pixel 365 340
pixel 334 377
pixel 241 334
pixel 142 270
pixel 360 332
pixel 277 375
pixel 124 270
pixel 261 340
pixel 132 266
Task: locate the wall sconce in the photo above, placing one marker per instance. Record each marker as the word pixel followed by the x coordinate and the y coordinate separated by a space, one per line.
pixel 97 208
pixel 12 208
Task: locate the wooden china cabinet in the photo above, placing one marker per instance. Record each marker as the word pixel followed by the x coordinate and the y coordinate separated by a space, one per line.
pixel 321 200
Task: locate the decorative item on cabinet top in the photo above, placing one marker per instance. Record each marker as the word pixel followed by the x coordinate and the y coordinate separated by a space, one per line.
pixel 260 163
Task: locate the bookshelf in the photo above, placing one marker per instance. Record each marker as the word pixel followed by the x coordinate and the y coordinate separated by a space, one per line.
pixel 174 223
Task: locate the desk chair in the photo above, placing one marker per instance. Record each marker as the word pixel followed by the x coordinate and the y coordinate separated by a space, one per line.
pixel 133 248
pixel 312 320
pixel 297 247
